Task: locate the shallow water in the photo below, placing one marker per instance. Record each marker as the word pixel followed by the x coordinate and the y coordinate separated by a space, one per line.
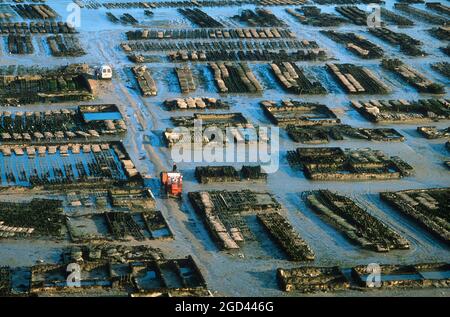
pixel 45 165
pixel 99 116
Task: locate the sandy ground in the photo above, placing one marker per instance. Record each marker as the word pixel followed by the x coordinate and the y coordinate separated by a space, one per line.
pixel 251 272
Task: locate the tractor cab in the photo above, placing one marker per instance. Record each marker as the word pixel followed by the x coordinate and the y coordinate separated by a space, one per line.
pixel 172 182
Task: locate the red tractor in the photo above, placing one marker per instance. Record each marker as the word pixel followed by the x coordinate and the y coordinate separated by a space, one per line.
pixel 172 182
